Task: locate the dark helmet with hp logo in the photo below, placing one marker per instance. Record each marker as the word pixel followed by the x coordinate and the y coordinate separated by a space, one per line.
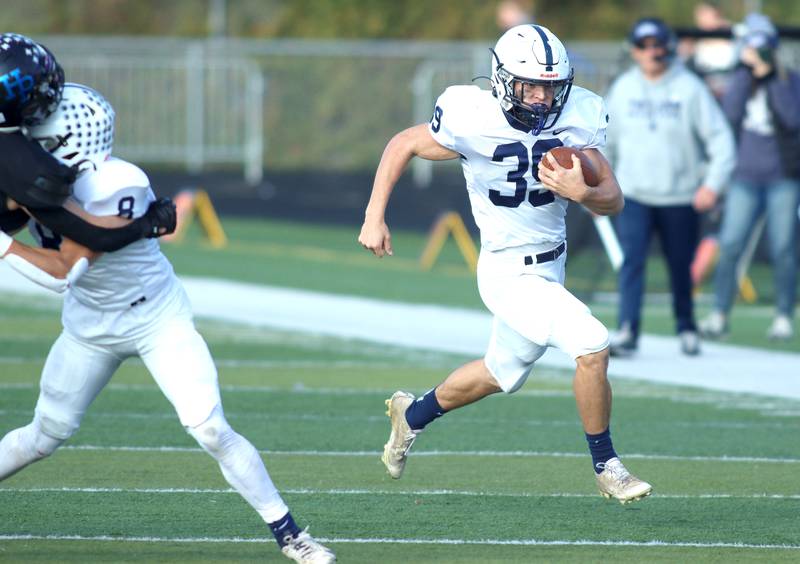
pixel 31 81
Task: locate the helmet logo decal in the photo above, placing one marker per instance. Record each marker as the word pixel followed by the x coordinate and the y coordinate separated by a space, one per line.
pixel 16 80
pixel 548 51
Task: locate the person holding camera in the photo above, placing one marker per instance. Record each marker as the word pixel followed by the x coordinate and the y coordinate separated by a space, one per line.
pixel 762 103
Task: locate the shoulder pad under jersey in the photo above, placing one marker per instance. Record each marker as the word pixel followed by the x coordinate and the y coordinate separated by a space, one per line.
pixel 458 112
pixel 116 187
pixel 585 117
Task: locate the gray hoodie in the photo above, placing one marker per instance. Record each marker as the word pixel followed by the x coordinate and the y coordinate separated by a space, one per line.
pixel 668 137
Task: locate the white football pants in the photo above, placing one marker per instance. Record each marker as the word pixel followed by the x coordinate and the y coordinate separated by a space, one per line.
pixel 180 363
pixel 532 311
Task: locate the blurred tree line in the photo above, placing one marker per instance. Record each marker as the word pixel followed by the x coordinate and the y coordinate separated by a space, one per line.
pixel 353 19
pixel 314 111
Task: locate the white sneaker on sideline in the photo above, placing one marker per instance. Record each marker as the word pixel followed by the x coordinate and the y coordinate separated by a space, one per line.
pixel 715 326
pixel 622 343
pixel 690 343
pixel 395 451
pixel 781 329
pixel 303 549
pixel 615 481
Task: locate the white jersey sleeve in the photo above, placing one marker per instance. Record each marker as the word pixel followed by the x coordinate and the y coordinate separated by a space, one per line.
pixel 584 121
pixel 117 187
pixel 454 116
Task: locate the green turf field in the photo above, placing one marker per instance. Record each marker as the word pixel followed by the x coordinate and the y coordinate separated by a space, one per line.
pixel 505 480
pixel 329 259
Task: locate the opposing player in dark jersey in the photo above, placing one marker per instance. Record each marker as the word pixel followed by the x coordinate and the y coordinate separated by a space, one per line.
pixel 33 182
pixel 130 304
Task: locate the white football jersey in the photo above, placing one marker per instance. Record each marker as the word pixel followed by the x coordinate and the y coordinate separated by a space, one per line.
pixel 133 275
pixel 500 156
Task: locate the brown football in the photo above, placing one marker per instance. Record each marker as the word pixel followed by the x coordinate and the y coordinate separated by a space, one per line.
pixel 563 156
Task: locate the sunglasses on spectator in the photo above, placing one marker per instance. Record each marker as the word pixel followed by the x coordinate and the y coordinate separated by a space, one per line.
pixel 644 46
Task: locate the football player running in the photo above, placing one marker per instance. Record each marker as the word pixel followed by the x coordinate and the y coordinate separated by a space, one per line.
pixel 130 304
pixel 33 182
pixel 519 205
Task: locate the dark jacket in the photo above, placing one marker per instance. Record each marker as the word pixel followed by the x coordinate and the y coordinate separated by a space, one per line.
pixel 766 157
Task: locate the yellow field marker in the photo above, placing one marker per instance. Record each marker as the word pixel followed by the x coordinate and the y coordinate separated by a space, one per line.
pixel 445 224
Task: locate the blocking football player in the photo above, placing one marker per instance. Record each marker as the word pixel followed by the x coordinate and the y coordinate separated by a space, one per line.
pixel 31 83
pixel 519 205
pixel 130 304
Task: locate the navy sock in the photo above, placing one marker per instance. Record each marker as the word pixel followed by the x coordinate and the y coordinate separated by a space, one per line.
pixel 601 448
pixel 283 528
pixel 423 410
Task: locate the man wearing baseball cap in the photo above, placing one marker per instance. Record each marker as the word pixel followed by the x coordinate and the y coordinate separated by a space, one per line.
pixel 672 152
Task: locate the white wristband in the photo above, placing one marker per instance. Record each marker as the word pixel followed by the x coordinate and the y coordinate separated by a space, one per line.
pixel 36 274
pixel 5 243
pixel 78 269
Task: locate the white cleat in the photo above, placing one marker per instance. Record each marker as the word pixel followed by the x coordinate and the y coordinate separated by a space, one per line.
pixel 395 451
pixel 615 481
pixel 303 549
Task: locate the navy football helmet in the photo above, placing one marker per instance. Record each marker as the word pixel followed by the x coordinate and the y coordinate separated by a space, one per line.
pixel 31 81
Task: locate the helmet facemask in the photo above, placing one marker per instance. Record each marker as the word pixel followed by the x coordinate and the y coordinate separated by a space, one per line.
pixel 537 116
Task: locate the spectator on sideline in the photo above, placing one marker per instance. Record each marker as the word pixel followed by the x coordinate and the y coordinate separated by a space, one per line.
pixel 763 105
pixel 713 59
pixel 672 151
pixel 511 13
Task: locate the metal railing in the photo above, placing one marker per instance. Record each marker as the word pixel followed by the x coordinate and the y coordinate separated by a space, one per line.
pixel 331 104
pixel 189 108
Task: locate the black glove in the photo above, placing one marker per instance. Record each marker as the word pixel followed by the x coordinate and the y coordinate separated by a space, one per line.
pixel 161 218
pixel 30 175
pixel 12 221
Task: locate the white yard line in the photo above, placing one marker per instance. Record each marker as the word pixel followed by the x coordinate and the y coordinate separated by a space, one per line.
pixel 417 453
pixel 237 363
pixel 482 542
pixel 462 331
pixel 299 388
pixel 346 492
pixel 382 419
pixel 261 416
pixel 773 407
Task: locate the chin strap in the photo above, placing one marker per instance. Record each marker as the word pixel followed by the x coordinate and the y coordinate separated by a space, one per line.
pixel 535 118
pixel 539 117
